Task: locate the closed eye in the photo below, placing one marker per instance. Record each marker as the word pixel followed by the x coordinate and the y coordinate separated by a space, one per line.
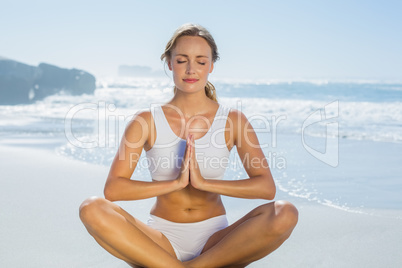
pixel 181 61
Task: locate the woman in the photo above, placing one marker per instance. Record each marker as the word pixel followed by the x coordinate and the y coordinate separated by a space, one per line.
pixel 187 143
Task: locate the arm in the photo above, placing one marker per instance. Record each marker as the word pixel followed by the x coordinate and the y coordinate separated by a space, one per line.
pixel 119 186
pixel 260 183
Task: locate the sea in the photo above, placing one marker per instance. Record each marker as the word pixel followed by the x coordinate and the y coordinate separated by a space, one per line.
pixel 336 144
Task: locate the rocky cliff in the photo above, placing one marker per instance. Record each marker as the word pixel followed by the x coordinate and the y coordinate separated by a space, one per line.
pixel 22 83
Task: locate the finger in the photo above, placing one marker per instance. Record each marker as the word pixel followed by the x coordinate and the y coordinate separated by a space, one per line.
pixel 193 162
pixel 186 158
pixel 189 139
pixel 188 148
pixel 191 158
pixel 190 151
pixel 192 147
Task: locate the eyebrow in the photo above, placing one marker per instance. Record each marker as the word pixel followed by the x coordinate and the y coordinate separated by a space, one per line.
pixel 185 55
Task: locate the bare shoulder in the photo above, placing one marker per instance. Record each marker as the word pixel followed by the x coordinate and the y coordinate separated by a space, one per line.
pixel 236 116
pixel 237 122
pixel 139 126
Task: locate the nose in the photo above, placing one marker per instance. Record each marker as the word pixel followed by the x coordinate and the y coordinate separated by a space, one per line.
pixel 190 68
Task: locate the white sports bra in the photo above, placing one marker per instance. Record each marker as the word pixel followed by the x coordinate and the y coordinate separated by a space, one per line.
pixel 166 155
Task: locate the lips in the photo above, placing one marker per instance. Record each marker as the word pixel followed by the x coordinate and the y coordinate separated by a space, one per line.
pixel 190 80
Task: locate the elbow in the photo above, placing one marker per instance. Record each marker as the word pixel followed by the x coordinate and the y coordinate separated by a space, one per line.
pixel 109 193
pixel 269 194
pixel 270 191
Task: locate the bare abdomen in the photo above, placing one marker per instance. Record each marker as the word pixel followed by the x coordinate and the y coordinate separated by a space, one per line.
pixel 188 205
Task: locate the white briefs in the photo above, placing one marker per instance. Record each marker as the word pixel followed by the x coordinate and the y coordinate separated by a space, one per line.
pixel 188 239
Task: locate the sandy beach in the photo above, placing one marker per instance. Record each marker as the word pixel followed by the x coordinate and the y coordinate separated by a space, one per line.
pixel 320 83
pixel 41 192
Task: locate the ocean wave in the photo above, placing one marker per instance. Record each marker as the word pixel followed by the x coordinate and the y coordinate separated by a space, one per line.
pixel 94 124
pixel 378 120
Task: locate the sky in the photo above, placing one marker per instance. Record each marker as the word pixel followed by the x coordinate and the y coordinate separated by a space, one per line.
pixel 288 39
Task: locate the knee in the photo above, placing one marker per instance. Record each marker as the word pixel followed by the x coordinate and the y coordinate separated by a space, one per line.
pixel 286 217
pixel 91 210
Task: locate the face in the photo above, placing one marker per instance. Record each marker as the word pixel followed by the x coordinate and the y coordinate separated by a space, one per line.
pixel 191 63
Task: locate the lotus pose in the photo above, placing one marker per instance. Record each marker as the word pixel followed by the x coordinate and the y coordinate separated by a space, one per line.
pixel 187 142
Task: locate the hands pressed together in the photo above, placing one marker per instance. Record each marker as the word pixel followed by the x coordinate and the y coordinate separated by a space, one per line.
pixel 190 172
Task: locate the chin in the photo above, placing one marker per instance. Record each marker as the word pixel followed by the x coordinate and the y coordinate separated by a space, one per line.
pixel 190 88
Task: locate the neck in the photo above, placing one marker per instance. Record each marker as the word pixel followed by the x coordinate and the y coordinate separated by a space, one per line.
pixel 191 104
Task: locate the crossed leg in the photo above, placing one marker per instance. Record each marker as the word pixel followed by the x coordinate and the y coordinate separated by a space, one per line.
pixel 126 237
pixel 251 238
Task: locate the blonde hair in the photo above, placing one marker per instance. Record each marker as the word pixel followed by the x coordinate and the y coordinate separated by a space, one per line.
pixel 194 30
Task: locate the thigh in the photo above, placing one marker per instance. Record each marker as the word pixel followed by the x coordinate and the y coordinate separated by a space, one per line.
pixel 155 235
pixel 218 236
pixel 106 208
